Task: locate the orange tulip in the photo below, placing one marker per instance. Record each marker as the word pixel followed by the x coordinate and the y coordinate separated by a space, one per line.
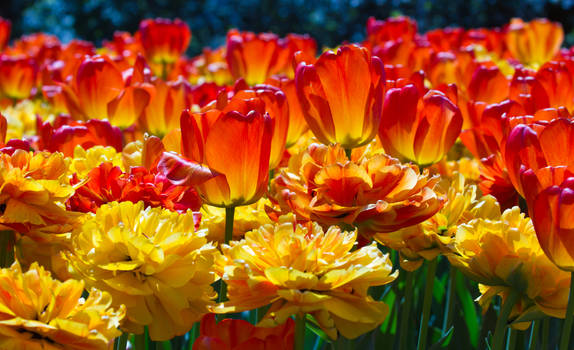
pixel 168 100
pixel 390 29
pixel 534 43
pixel 538 145
pixel 5 27
pixel 342 95
pixel 419 129
pixel 550 201
pixel 231 334
pixel 278 109
pixel 98 91
pixel 252 56
pixel 17 76
pixel 233 138
pixel 164 40
pixel 297 123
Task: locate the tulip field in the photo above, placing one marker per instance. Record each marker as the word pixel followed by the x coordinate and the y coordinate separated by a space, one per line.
pixel 409 191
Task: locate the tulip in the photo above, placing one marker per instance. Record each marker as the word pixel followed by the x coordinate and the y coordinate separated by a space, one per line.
pixel 233 138
pixel 297 124
pixel 538 145
pixel 277 107
pixel 98 91
pixel 419 129
pixel 534 43
pixel 17 76
pixel 5 26
pixel 164 40
pixel 342 95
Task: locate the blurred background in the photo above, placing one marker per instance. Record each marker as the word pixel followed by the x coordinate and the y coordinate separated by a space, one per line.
pixel 330 22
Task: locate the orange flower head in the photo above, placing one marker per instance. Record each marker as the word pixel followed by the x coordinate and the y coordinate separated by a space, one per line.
pixel 33 190
pixel 550 199
pixel 538 145
pixel 238 127
pixel 305 270
pixel 17 76
pixel 5 27
pixel 419 128
pixel 231 334
pixel 342 95
pixel 164 40
pixel 168 100
pixel 375 193
pixel 98 91
pixel 276 105
pixel 39 312
pixel 390 29
pixel 297 124
pixel 534 43
pixel 251 56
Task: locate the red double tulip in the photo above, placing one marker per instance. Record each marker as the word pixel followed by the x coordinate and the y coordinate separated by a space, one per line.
pixel 232 138
pixel 419 128
pixel 341 95
pixel 164 40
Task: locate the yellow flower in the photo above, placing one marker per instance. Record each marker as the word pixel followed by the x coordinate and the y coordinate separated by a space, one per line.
pixel 86 160
pixel 33 189
pixel 247 218
pixel 21 118
pixel 503 254
pixel 150 260
pixel 39 312
pixel 435 236
pixel 301 269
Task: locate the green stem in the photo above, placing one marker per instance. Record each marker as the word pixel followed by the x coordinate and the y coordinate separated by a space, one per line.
pixel 7 239
pixel 449 305
pixel 121 342
pixel 300 331
pixel 511 342
pixel 348 152
pixel 427 302
pixel 500 330
pixel 567 327
pixel 229 217
pixel 534 334
pixel 139 341
pixel 545 332
pixel 406 309
pixel 194 335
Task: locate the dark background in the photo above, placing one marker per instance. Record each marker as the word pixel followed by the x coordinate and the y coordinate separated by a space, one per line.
pixel 330 22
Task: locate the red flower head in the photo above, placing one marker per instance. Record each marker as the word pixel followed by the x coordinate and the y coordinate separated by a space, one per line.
pixel 164 40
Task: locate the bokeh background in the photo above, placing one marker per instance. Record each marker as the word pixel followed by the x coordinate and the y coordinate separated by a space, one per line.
pixel 330 22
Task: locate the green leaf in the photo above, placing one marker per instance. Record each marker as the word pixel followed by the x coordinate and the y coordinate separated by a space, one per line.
pixel 444 340
pixel 468 309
